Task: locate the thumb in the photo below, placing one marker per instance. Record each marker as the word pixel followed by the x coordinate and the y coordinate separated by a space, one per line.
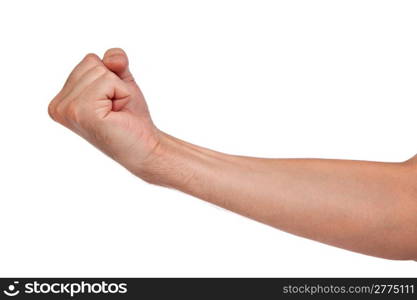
pixel 115 59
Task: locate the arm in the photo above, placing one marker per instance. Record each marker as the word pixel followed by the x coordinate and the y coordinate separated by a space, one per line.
pixel 368 207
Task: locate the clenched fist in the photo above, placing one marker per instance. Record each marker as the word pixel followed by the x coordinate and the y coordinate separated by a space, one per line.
pixel 101 102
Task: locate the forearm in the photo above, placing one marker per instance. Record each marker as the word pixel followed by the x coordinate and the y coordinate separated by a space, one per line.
pixel 366 207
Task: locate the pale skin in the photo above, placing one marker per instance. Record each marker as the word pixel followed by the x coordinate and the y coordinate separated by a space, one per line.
pixel 367 207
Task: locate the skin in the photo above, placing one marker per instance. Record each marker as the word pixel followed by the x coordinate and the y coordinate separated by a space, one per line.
pixel 367 207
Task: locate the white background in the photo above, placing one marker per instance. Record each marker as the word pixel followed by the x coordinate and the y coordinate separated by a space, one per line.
pixel 328 79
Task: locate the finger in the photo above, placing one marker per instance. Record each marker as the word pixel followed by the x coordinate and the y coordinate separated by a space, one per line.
pixel 86 80
pixel 116 60
pixel 88 62
pixel 109 87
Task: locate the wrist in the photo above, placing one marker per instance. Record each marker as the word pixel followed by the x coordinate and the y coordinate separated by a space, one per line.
pixel 168 164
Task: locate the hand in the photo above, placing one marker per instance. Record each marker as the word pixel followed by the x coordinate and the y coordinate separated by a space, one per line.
pixel 101 102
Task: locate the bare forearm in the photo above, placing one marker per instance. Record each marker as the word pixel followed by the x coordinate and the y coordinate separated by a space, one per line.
pixel 366 207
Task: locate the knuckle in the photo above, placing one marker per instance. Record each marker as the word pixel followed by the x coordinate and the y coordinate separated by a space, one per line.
pixel 110 76
pixel 70 115
pixel 52 110
pixel 91 57
pixel 59 111
pixel 99 70
pixel 72 111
